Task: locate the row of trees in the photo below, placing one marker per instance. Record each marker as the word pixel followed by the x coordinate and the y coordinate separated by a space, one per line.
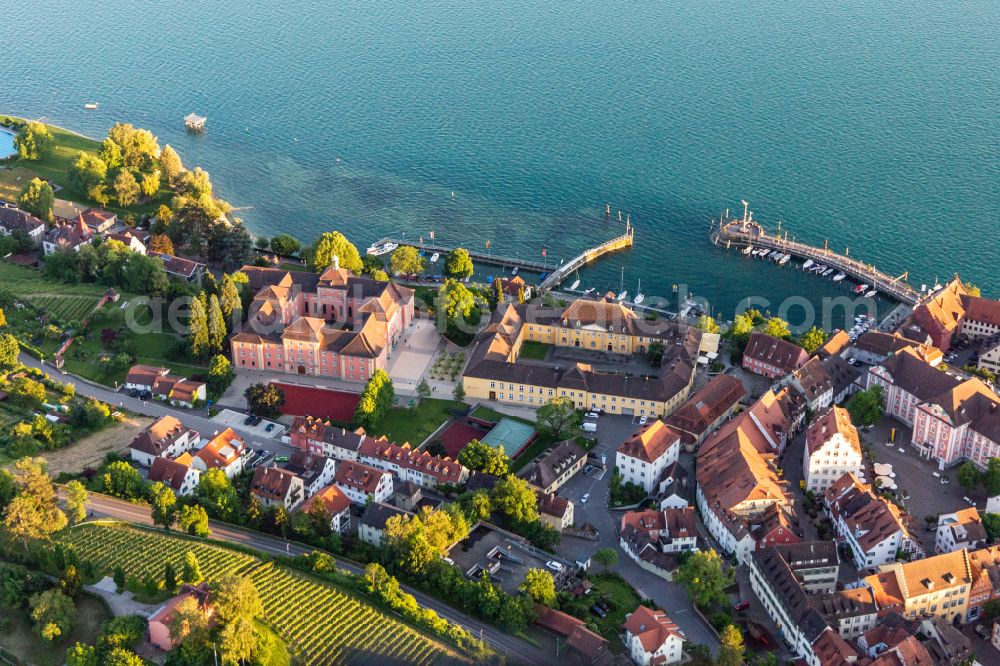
pixel 109 262
pixel 406 260
pixel 213 317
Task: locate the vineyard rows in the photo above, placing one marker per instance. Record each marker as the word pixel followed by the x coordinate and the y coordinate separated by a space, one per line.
pixel 321 624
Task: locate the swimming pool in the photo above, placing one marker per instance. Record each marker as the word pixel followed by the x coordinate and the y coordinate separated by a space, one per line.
pixel 6 143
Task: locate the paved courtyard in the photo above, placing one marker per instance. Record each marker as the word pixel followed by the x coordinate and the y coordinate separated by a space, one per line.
pixel 414 354
pixel 234 419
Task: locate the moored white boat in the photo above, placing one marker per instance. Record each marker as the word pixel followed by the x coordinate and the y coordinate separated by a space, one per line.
pixel 622 296
pixel 871 294
pixel 576 283
pixel 90 106
pixel 808 264
pixel 784 259
pixel 639 296
pixel 513 271
pixel 860 289
pixel 748 249
pixel 435 257
pixel 839 276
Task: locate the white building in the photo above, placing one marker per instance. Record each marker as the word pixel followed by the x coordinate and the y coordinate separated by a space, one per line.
pixel 336 503
pixel 958 530
pixel 653 638
pixel 833 449
pixel 276 487
pixel 363 483
pixel 176 474
pixel 225 451
pixel 316 471
pixel 164 438
pixel 643 457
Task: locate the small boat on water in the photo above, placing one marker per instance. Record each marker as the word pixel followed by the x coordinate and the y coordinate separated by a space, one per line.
pixel 576 283
pixel 90 106
pixel 773 255
pixel 622 296
pixel 871 294
pixel 382 248
pixel 806 266
pixel 784 259
pixel 590 291
pixel 839 276
pixel 513 271
pixel 639 296
pixel 860 289
pixel 827 272
pixel 435 257
pixel 748 249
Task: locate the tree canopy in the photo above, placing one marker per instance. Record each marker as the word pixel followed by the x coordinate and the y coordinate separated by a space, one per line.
pixel 375 400
pixel 540 586
pixel 866 407
pixel 813 339
pixel 406 260
pixel 516 499
pixel 330 244
pixel 459 264
pixel 558 418
pixel 485 458
pixel 38 199
pixel 704 577
pixel 265 399
pixel 34 141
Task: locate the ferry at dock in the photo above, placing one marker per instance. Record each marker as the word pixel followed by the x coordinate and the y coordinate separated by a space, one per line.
pixel 382 248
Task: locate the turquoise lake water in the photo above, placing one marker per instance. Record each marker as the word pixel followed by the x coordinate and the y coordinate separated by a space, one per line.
pixel 873 125
pixel 7 147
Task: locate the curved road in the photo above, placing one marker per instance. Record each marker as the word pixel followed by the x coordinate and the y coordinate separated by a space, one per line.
pixel 516 650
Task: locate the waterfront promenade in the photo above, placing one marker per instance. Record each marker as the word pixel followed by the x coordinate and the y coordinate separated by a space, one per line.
pixel 740 233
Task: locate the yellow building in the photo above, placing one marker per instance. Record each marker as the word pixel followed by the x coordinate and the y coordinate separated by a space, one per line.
pixel 937 586
pixel 495 372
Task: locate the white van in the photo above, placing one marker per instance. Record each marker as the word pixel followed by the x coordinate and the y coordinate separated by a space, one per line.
pixel 589 427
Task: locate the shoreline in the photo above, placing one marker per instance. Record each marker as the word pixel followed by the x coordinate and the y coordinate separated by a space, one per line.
pixel 45 122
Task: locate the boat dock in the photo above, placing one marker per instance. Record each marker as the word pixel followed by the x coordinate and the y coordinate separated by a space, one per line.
pixel 748 232
pixel 555 273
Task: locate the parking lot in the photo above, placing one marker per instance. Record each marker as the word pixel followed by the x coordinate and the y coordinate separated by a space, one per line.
pixel 256 426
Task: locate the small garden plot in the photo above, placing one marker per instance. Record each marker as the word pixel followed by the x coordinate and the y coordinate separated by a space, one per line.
pixel 447 365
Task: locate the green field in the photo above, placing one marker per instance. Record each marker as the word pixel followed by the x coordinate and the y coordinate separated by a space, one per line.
pixel 414 425
pixel 534 350
pixel 320 623
pixel 65 302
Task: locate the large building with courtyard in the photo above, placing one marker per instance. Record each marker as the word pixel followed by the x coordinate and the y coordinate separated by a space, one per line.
pixel 601 348
pixel 335 324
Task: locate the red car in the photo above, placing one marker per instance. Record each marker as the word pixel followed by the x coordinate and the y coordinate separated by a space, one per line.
pixel 742 606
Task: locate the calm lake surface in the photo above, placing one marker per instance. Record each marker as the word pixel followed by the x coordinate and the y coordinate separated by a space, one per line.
pixel 872 125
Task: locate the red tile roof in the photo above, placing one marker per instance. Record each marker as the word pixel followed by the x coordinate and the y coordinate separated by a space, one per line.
pixel 651 442
pixel 333 499
pixel 653 627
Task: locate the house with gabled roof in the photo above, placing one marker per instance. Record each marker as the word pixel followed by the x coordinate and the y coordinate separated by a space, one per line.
pixel 589 646
pixel 363 483
pixel 277 487
pixel 187 270
pixel 707 409
pixel 178 474
pixel 642 458
pixel 960 530
pixel 833 449
pixel 226 451
pixel 336 503
pixel 13 219
pixel 371 529
pixel 315 470
pixel 651 637
pixel 165 437
pixel 549 472
pixel 69 237
pixel 409 464
pixel 772 357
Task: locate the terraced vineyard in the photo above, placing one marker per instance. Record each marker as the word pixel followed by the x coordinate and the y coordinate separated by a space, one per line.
pixel 65 302
pixel 320 623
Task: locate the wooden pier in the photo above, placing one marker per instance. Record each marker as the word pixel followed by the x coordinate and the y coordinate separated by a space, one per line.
pixel 743 232
pixel 555 272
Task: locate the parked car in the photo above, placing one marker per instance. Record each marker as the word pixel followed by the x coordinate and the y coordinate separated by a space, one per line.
pixel 586 496
pixel 596 610
pixel 742 606
pixel 555 566
pixel 269 428
pixel 983 632
pixel 248 420
pixel 591 415
pixel 643 419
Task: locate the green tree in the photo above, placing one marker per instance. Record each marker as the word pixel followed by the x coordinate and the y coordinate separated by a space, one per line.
pixel 53 614
pixel 198 341
pixel 9 350
pixel 707 324
pixel 285 244
pixel 76 502
pixel 813 339
pixel 477 505
pixel 375 399
pixel 539 585
pixel 606 557
pixel 743 325
pixel 122 480
pixel 164 505
pixel 455 302
pixel 126 188
pixel 216 325
pixel 496 293
pixel 150 183
pixel 516 499
pixel 655 353
pixel 459 264
pixel 169 577
pixel 330 244
pixel 237 605
pixel 87 171
pixel 33 513
pixel 81 654
pixel 229 299
pixel 137 147
pixel 406 260
pixel 34 142
pixel 705 578
pixel 160 243
pixel 191 571
pixel 119 577
pixel 220 376
pixel 866 407
pixel 120 656
pixel 423 389
pixel 216 493
pixel 777 327
pixel 458 392
pixel 170 162
pixel 991 523
pixel 70 582
pixel 731 649
pixel 558 418
pixel 38 199
pixel 969 476
pixel 231 246
pixel 264 400
pixel 992 477
pixel 485 458
pixel 8 488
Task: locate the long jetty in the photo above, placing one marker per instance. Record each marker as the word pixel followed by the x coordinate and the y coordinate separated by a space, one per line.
pixel 743 232
pixel 554 273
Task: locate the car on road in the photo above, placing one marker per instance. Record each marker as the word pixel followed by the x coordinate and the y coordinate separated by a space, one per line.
pixel 555 566
pixel 742 606
pixel 256 421
pixel 586 496
pixel 133 393
pixel 269 428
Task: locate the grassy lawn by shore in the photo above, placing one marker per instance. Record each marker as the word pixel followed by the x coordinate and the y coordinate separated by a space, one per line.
pixel 414 425
pixel 55 168
pixel 534 350
pixel 21 640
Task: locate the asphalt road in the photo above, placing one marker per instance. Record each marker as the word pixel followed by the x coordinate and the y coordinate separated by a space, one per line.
pixel 515 649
